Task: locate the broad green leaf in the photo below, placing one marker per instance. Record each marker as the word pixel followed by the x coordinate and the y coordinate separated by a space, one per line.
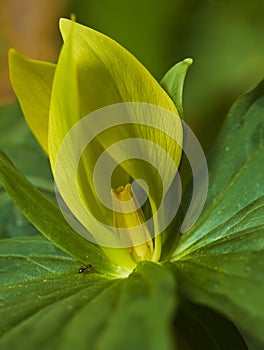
pixel 231 283
pixel 47 297
pixel 47 217
pixel 173 83
pixel 19 144
pixel 220 260
pixel 76 307
pixel 25 258
pixel 202 328
pixel 143 312
pixel 32 83
pixel 43 291
pixel 235 173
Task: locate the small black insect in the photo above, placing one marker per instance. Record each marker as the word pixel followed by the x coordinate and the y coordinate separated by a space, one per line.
pixel 82 269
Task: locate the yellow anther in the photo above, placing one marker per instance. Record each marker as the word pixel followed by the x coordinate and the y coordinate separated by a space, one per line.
pixel 128 214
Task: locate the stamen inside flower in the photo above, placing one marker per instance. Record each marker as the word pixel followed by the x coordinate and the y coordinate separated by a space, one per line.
pixel 128 214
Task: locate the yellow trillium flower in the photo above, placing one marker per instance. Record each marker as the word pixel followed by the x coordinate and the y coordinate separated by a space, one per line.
pixel 94 72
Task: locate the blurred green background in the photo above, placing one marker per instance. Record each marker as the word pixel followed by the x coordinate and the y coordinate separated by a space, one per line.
pixel 225 39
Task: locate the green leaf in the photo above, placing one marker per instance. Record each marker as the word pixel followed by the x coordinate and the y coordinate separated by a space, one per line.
pixel 47 217
pixel 229 283
pixel 235 173
pixel 44 289
pixel 146 304
pixel 48 297
pixel 22 259
pixel 173 83
pixel 220 260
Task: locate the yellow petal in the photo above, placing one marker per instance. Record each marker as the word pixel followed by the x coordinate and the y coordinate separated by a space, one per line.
pixel 94 71
pixel 32 83
pixel 108 73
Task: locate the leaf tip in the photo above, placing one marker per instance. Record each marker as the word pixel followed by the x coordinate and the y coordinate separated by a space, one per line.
pixel 63 22
pixel 11 52
pixel 188 61
pixel 15 60
pixel 13 56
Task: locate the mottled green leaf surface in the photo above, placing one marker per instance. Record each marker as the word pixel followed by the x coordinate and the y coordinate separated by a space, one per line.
pixel 47 304
pixel 144 311
pixel 220 260
pixel 236 169
pixel 24 258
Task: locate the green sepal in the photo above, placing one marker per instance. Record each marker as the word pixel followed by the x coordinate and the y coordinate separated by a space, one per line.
pixel 173 83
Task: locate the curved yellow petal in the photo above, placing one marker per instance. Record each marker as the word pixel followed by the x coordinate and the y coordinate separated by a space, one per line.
pixel 32 83
pixel 94 71
pixel 108 73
